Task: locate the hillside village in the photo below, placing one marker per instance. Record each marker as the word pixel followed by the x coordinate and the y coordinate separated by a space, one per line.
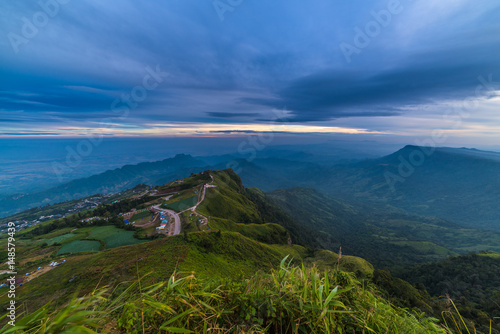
pixel 160 212
pixel 30 218
pixel 79 206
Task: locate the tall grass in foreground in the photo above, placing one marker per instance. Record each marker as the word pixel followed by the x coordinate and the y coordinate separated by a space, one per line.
pixel 458 323
pixel 290 299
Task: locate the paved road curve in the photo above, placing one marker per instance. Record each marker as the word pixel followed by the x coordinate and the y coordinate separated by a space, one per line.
pixel 177 219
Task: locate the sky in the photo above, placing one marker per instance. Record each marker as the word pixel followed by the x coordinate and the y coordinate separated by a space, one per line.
pixel 406 70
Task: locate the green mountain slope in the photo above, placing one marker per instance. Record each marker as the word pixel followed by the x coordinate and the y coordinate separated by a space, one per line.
pixel 240 241
pixel 227 267
pixel 285 300
pixel 385 236
pixel 472 281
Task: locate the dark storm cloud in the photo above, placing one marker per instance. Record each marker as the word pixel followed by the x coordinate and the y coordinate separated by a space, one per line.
pixel 332 94
pixel 280 55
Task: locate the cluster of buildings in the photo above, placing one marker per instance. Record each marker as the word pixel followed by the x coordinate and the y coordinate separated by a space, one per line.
pixel 20 280
pixel 200 221
pixel 163 220
pixel 55 264
pixel 19 225
pixel 89 203
pixel 22 224
pixel 42 218
pixel 91 219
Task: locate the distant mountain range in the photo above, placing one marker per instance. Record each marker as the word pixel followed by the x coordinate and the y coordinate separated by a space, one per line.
pixel 457 184
pixel 399 238
pixel 111 181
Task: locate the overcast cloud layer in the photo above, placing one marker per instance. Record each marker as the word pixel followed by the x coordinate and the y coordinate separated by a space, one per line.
pixel 68 67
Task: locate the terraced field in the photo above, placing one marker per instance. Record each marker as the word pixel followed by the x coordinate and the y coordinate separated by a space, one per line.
pixel 183 204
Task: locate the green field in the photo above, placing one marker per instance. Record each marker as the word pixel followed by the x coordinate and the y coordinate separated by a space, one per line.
pixel 425 247
pixel 182 205
pixel 103 232
pixel 122 239
pixel 114 237
pixel 80 246
pixel 59 239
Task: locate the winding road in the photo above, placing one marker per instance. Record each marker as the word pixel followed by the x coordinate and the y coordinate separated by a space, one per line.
pixel 202 197
pixel 177 219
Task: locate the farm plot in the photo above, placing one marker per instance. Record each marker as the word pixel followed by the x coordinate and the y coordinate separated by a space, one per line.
pixel 80 246
pixel 183 204
pixel 122 239
pixel 59 239
pixel 114 237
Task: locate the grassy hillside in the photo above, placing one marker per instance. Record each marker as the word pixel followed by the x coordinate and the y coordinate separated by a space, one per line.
pixel 227 199
pixel 242 242
pixel 221 278
pixel 210 255
pixel 286 300
pixel 230 209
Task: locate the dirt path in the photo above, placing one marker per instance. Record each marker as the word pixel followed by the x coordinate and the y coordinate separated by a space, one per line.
pixel 148 224
pixel 202 197
pixel 37 273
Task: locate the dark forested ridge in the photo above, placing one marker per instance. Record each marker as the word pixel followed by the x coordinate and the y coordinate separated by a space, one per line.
pixel 386 236
pixel 472 281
